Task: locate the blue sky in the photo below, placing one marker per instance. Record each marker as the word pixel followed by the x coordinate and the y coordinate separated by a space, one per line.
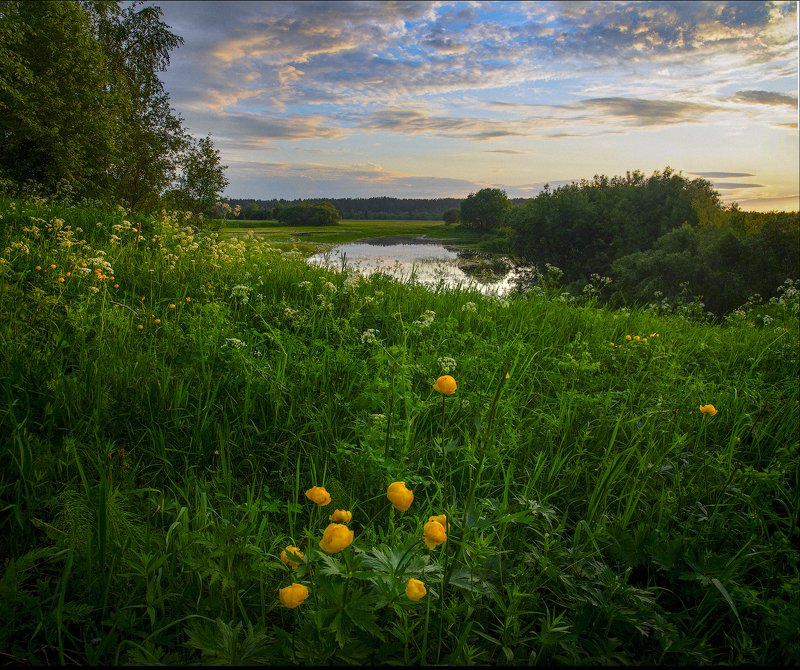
pixel 441 99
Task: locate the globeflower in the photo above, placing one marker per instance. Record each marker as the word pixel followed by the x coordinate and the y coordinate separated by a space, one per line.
pixel 336 537
pixel 708 409
pixel 342 516
pixel 294 551
pixel 434 533
pixel 400 496
pixel 446 385
pixel 294 595
pixel 319 495
pixel 415 589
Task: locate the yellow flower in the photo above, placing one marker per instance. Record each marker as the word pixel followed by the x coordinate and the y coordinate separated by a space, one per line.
pixel 628 338
pixel 53 266
pixel 611 344
pixel 343 516
pixel 708 409
pixel 637 338
pixel 441 518
pixel 171 305
pixel 157 321
pixel 434 533
pixel 294 551
pixel 319 495
pixel 294 595
pixel 445 385
pixel 415 589
pixel 336 537
pixel 140 327
pixel 61 280
pixel 188 299
pixel 38 267
pixel 400 496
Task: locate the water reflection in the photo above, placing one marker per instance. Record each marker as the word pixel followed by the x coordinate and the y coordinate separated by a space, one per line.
pixel 428 263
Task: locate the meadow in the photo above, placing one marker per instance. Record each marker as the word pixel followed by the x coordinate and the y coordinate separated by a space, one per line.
pixel 214 453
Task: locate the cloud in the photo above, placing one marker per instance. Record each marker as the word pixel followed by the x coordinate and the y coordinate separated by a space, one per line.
pixel 651 112
pixel 765 98
pixel 356 180
pixel 723 175
pixel 731 185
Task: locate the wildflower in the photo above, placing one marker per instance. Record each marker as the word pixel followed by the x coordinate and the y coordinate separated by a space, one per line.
pixel 637 338
pixel 157 321
pixel 400 496
pixel 341 515
pixel 38 267
pixel 319 495
pixel 294 552
pixel 628 338
pixel 369 336
pixel 61 280
pixel 94 289
pixel 172 305
pixel 415 589
pixel 447 364
pixel 336 537
pixel 708 409
pixel 445 385
pixel 140 327
pixel 52 266
pixel 469 307
pixel 611 344
pixel 434 533
pixel 188 299
pixel 141 297
pixel 116 285
pixel 69 274
pixel 441 518
pixel 294 595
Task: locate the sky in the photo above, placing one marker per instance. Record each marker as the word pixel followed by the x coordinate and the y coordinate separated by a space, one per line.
pixel 420 99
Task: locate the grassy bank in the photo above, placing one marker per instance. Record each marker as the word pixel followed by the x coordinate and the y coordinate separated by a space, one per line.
pixel 169 398
pixel 350 230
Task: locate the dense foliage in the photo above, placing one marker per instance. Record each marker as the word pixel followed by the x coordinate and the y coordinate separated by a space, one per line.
pixel 486 209
pixel 592 486
pixel 83 111
pixel 307 214
pixel 656 238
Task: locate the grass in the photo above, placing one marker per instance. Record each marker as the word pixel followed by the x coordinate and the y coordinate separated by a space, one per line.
pixel 167 405
pixel 350 230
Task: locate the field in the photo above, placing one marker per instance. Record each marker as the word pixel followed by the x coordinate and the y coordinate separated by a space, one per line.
pixel 600 487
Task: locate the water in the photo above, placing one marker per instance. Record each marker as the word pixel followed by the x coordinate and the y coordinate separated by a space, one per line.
pixel 428 263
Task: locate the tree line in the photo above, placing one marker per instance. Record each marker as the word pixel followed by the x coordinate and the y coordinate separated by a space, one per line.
pixel 83 112
pixel 377 208
pixel 654 237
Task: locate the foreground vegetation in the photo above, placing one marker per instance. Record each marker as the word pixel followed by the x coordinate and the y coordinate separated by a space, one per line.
pixel 169 397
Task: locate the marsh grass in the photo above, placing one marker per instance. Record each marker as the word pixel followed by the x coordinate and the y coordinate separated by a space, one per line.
pixel 159 430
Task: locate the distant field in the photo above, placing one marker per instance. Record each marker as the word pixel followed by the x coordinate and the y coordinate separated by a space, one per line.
pixel 350 230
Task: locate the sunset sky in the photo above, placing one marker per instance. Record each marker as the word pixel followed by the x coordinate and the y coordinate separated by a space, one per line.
pixel 441 99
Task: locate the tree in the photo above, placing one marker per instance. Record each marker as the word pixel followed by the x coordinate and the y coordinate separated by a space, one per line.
pixel 486 209
pixel 452 216
pixel 56 121
pixel 307 214
pixel 202 179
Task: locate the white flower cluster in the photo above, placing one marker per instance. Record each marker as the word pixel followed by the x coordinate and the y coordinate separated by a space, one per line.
pixel 241 293
pixel 469 307
pixel 233 343
pixel 369 336
pixel 447 364
pixel 426 319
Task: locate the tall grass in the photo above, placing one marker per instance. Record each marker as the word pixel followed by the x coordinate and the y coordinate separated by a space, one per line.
pixel 169 396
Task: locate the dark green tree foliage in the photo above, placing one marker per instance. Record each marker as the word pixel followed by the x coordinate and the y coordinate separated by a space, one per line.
pixel 201 181
pixel 452 216
pixel 57 122
pixel 485 210
pixel 583 227
pixel 81 102
pixel 743 254
pixel 308 214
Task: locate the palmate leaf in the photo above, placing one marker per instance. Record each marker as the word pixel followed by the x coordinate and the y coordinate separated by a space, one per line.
pixel 359 609
pixel 331 567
